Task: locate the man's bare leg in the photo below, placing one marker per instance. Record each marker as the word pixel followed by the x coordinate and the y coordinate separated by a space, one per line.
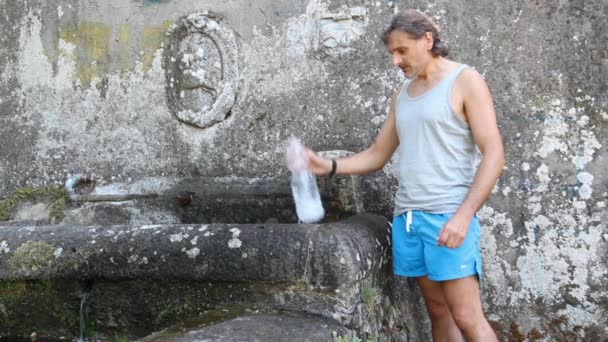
pixel 464 300
pixel 444 327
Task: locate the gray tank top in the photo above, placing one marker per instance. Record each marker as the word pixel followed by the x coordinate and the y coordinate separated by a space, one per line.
pixel 437 154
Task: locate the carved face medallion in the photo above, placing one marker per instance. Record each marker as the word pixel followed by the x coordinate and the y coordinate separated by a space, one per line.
pixel 201 69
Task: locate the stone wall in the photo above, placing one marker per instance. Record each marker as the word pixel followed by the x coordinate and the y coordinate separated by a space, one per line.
pixel 85 88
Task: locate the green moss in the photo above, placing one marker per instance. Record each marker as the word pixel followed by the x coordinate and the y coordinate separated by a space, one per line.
pixel 42 286
pixel 6 208
pixel 11 289
pixel 10 292
pixel 57 208
pixel 54 194
pixel 342 339
pixel 51 306
pixel 370 295
pixel 32 256
pixel 355 339
pixel 121 339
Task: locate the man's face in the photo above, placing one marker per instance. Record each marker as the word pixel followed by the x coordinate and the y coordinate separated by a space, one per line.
pixel 409 54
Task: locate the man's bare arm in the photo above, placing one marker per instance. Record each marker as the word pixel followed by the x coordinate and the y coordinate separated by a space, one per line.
pixel 481 115
pixel 369 160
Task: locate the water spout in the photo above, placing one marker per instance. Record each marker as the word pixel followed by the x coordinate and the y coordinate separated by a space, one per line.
pixel 79 185
pixel 83 189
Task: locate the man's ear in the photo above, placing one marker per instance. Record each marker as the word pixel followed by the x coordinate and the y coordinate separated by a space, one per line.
pixel 428 37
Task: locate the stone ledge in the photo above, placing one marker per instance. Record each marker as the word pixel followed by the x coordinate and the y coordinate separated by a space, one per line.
pixel 166 273
pixel 256 327
pixel 325 256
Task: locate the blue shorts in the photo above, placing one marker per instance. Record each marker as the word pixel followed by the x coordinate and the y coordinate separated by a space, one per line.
pixel 416 252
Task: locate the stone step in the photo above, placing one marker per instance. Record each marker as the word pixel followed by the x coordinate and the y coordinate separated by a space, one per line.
pixel 255 328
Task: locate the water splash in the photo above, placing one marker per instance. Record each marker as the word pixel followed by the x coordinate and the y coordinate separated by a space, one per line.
pixel 84 294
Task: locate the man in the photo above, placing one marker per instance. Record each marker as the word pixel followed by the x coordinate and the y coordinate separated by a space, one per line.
pixel 441 117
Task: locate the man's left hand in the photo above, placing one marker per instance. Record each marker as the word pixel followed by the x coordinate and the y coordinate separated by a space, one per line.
pixel 454 232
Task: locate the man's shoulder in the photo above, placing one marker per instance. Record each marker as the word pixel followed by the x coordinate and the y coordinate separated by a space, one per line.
pixel 469 78
pixel 469 73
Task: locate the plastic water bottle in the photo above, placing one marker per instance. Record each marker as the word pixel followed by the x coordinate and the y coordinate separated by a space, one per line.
pixel 303 184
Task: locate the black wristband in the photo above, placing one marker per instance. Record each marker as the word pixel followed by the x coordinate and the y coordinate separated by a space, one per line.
pixel 334 166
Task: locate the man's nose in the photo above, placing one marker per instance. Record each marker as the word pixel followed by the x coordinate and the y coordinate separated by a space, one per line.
pixel 396 60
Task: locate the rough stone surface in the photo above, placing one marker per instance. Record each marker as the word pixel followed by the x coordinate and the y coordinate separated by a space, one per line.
pixel 256 328
pixel 83 90
pixel 327 256
pixel 157 274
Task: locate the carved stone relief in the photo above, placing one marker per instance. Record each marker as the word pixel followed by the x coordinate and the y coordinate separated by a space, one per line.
pixel 338 31
pixel 201 64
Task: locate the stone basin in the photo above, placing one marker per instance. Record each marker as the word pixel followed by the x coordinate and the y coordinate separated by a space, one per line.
pixel 140 279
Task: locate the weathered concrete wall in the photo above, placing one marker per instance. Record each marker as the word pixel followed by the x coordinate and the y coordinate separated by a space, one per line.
pixel 83 89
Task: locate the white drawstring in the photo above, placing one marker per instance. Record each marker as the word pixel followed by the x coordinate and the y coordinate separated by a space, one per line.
pixel 408 220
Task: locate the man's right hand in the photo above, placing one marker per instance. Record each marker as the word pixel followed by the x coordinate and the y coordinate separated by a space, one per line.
pixel 318 165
